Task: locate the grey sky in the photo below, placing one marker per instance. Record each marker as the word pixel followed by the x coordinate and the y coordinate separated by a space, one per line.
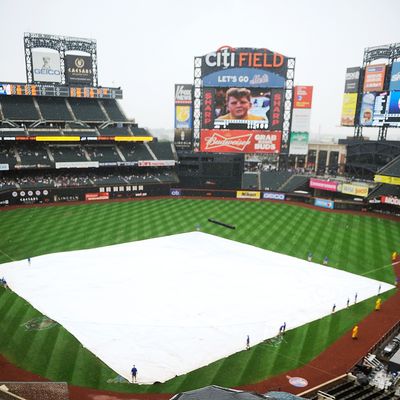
pixel 147 46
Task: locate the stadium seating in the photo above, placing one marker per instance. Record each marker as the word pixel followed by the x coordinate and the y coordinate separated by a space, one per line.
pixel 106 153
pixel 250 180
pixel 87 110
pixel 295 182
pixel 273 180
pixel 162 150
pixel 54 109
pixel 20 108
pixel 31 154
pixel 113 111
pixel 68 153
pixel 115 131
pixel 135 152
pixel 392 168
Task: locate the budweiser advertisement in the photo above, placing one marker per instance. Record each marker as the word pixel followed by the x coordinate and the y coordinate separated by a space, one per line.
pixel 240 141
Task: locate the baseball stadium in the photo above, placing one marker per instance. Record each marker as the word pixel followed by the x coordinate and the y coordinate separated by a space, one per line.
pixel 240 260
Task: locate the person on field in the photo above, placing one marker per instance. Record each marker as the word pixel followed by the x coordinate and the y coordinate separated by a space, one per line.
pixel 134 374
pixel 354 332
pixel 248 342
pixel 326 260
pixel 378 304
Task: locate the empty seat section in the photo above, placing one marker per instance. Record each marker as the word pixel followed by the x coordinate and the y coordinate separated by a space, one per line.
pixel 68 153
pixel 103 153
pixel 113 111
pixel 54 109
pixel 19 108
pixel 135 152
pixel 162 150
pixel 250 180
pixel 87 110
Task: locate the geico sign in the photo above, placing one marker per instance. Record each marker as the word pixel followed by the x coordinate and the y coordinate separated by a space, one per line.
pixel 227 57
pixel 42 71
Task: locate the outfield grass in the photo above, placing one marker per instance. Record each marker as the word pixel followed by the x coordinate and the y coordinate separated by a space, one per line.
pixel 357 244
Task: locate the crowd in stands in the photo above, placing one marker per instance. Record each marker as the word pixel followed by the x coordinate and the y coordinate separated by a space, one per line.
pixel 57 179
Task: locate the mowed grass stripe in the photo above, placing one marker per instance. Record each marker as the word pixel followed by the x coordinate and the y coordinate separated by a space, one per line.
pixel 280 227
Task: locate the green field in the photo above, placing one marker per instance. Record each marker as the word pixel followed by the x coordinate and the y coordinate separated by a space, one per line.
pixel 358 244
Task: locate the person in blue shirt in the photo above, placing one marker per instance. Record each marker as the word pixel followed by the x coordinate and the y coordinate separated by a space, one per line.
pixel 3 283
pixel 326 260
pixel 134 373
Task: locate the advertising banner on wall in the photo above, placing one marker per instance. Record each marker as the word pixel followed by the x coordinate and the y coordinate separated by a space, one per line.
pixel 367 109
pixel 391 180
pixel 301 119
pixel 390 200
pixel 302 96
pixel 298 143
pixel 46 66
pixel 240 141
pixel 374 78
pixel 247 194
pixel 355 190
pixel 183 116
pixel 352 80
pixel 324 203
pixel 323 185
pixel 78 70
pixel 349 107
pixel 395 76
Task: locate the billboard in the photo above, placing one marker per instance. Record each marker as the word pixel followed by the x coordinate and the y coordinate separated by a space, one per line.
pixel 352 80
pixel 302 96
pixel 240 141
pixel 183 116
pixel 374 78
pixel 244 67
pixel 242 108
pixel 367 109
pixel 298 143
pixel 395 76
pixel 349 107
pixel 78 70
pixel 323 185
pixel 46 66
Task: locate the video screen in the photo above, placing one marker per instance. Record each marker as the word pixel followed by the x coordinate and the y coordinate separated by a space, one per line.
pixel 242 108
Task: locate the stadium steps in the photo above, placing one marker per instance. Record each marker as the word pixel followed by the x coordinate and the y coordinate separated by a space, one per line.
pixel 150 151
pixel 118 150
pixel 39 111
pixel 70 109
pixel 104 110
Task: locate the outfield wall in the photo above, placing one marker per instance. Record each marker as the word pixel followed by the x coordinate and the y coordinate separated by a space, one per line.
pixel 16 197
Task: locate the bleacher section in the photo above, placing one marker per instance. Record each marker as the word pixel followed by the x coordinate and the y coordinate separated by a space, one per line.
pixel 79 132
pixel 68 153
pixel 273 180
pixel 385 190
pixel 140 131
pixel 103 153
pixel 135 152
pixel 295 182
pixel 87 110
pixel 113 111
pixel 54 109
pixel 162 150
pixel 250 180
pixel 20 108
pixel 7 156
pixel 32 155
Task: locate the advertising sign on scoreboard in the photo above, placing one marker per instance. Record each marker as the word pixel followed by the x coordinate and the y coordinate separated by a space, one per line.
pixel 240 141
pixel 302 96
pixel 349 107
pixel 46 66
pixel 352 80
pixel 78 69
pixel 374 78
pixel 183 116
pixel 395 76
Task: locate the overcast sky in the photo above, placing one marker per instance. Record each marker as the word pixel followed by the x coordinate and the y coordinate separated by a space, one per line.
pixel 147 46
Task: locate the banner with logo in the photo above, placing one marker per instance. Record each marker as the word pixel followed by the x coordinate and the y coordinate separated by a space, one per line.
pixel 273 196
pixel 391 180
pixel 367 109
pixel 244 66
pixel 324 203
pixel 298 143
pixel 349 107
pixel 175 192
pixel 395 76
pixel 97 196
pixel 247 194
pixel 78 70
pixel 352 80
pixel 156 163
pixel 240 141
pixel 4 167
pixel 183 117
pixel 46 66
pixel 302 96
pixel 323 185
pixel 354 190
pixel 390 200
pixel 374 78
